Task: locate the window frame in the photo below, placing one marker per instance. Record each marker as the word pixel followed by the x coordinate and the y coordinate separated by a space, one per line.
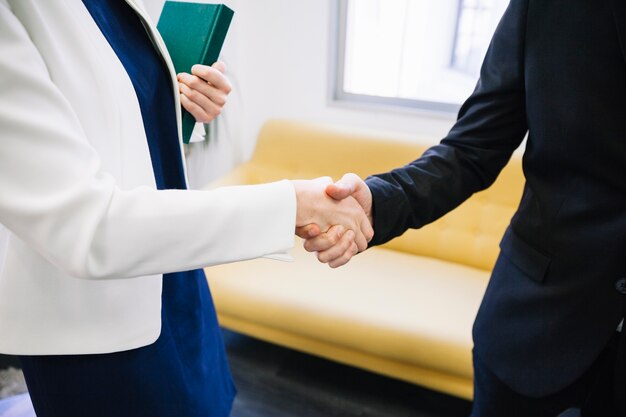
pixel 339 20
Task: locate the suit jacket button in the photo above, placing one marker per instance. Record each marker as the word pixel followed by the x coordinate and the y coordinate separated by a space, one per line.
pixel 620 286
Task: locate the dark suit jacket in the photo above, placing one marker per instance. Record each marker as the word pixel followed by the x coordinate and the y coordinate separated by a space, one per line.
pixel 555 69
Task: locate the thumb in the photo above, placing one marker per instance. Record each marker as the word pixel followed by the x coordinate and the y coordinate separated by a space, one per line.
pixel 220 66
pixel 343 188
pixel 339 191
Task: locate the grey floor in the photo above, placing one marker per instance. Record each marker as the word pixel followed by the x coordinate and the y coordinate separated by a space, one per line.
pixel 13 400
pixel 276 382
pixel 11 380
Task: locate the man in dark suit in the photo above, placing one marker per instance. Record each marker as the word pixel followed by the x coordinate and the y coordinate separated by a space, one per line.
pixel 545 335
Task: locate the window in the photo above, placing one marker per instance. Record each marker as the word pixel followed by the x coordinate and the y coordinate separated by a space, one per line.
pixel 416 53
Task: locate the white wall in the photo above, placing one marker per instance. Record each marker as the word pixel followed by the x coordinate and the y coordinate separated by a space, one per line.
pixel 284 72
pixel 278 54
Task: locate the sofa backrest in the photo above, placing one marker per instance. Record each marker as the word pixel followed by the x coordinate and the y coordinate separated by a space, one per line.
pixel 468 235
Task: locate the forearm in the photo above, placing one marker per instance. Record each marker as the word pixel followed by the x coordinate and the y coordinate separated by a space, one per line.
pixel 92 209
pixel 491 125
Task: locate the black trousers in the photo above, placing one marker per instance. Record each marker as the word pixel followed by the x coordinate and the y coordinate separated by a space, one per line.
pixel 600 392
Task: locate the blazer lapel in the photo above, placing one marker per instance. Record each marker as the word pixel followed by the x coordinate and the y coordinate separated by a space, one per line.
pixel 619 16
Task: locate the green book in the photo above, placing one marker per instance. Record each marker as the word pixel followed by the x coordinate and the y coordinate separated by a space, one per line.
pixel 194 34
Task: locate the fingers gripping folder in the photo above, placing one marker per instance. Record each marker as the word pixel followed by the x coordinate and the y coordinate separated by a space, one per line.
pixel 194 34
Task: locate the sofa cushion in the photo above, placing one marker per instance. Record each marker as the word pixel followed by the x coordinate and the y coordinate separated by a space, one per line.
pixel 387 304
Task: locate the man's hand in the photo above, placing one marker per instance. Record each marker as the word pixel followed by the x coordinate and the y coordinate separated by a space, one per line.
pixel 332 246
pixel 344 218
pixel 351 185
pixel 203 93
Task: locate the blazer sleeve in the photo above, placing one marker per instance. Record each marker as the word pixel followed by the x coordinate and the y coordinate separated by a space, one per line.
pixel 490 126
pixel 55 196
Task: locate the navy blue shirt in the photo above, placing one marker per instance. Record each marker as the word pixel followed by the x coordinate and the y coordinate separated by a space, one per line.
pixel 151 79
pixel 185 372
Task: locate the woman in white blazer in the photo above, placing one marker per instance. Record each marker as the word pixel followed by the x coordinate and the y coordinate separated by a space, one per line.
pixel 90 222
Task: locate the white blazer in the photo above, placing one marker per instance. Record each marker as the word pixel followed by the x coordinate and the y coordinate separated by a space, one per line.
pixel 86 235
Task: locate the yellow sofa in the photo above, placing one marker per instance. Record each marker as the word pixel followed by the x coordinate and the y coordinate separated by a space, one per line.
pixel 404 309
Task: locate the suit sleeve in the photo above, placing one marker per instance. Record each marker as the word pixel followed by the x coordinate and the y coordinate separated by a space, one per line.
pixel 490 126
pixel 55 196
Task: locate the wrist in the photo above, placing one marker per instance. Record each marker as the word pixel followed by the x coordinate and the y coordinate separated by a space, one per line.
pixel 303 217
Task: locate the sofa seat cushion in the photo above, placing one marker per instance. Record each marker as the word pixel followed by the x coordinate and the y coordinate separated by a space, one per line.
pixel 387 304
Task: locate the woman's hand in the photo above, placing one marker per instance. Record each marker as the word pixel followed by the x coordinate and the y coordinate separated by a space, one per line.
pixel 203 93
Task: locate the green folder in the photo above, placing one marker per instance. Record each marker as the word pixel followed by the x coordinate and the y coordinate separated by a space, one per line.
pixel 194 34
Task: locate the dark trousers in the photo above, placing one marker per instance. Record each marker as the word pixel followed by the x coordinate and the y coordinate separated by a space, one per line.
pixel 600 392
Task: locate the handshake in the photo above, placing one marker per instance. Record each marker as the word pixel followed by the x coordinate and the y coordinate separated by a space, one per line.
pixel 335 219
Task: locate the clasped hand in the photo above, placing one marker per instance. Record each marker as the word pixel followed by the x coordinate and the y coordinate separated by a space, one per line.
pixel 335 219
